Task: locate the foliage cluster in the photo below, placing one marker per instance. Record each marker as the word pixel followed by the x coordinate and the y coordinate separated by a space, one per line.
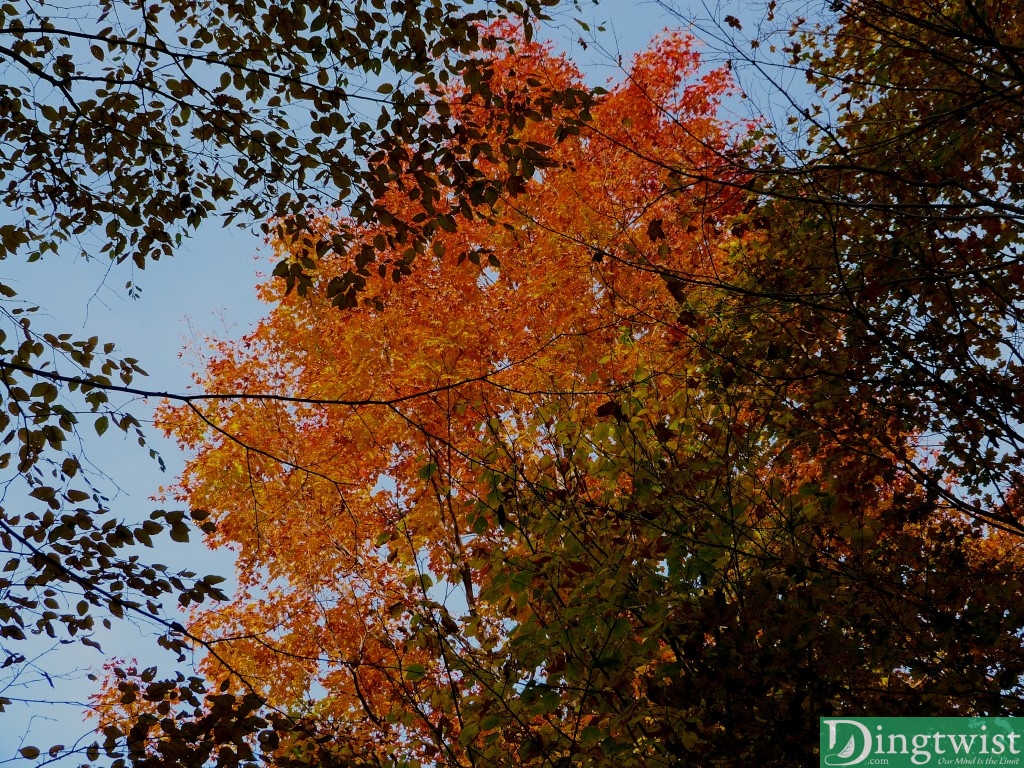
pixel 123 127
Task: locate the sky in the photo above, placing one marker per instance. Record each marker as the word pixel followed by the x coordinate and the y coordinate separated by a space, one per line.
pixel 206 289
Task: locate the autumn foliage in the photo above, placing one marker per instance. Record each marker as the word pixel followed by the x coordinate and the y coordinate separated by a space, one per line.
pixel 575 491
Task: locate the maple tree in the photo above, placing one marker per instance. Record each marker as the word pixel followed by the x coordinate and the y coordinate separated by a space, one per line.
pixel 124 126
pixel 607 483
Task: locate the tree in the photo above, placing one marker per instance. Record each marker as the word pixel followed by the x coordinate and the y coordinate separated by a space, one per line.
pixel 129 124
pixel 892 203
pixel 565 498
pixel 144 120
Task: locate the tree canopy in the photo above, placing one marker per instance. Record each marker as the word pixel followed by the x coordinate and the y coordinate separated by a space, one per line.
pixel 584 428
pixel 901 226
pixel 142 120
pixel 656 465
pixel 123 127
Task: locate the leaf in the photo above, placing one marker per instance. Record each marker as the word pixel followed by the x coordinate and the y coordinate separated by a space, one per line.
pixel 414 672
pixel 848 749
pixel 655 230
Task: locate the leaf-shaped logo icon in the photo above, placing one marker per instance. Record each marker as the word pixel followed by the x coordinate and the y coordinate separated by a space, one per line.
pixel 848 749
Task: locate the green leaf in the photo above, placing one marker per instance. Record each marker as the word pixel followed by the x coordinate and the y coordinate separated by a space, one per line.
pixel 414 672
